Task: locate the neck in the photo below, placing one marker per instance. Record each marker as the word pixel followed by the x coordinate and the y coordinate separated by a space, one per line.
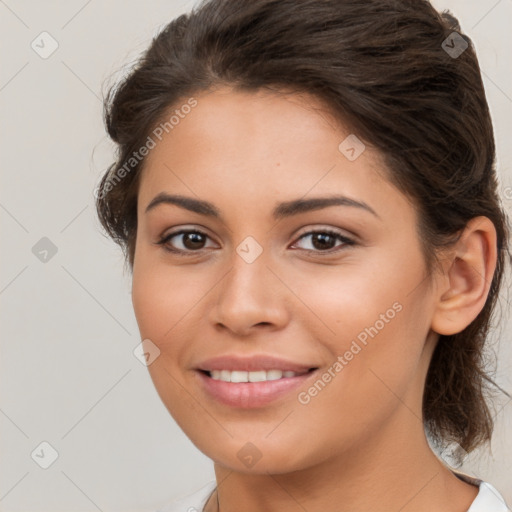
pixel 401 473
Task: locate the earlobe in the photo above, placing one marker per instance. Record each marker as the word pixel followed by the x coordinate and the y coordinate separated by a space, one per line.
pixel 465 285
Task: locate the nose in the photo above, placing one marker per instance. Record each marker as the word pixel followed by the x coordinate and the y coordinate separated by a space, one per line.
pixel 251 297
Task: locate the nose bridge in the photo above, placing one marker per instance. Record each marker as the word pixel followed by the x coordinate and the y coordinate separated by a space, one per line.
pixel 248 278
pixel 249 292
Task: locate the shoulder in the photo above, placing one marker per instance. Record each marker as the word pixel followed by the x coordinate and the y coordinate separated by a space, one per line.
pixel 193 502
pixel 488 498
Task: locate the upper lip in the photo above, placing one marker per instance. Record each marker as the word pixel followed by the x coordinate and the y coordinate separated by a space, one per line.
pixel 252 363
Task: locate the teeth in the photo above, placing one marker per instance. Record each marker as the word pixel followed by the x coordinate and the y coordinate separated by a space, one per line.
pixel 274 374
pixel 239 376
pixel 257 376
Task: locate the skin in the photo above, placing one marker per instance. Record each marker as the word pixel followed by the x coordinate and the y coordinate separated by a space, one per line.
pixel 359 444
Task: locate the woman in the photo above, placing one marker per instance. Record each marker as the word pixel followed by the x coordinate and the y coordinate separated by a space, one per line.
pixel 306 195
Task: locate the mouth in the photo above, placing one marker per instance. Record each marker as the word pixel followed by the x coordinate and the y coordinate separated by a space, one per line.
pixel 238 376
pixel 252 389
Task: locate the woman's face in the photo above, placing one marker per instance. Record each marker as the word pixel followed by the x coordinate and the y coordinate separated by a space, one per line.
pixel 255 291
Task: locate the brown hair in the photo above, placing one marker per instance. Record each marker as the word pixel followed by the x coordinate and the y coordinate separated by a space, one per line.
pixel 388 70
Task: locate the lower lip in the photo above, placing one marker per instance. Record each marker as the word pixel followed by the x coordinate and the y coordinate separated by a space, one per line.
pixel 247 395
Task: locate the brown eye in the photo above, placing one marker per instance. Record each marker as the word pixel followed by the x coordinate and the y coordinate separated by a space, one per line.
pixel 325 241
pixel 193 240
pixel 184 241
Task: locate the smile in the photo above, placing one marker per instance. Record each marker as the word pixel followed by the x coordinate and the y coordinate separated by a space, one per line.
pixel 252 389
pixel 255 376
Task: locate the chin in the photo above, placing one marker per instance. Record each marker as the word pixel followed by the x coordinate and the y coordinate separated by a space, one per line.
pixel 257 457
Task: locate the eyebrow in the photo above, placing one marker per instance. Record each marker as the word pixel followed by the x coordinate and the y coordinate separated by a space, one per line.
pixel 282 210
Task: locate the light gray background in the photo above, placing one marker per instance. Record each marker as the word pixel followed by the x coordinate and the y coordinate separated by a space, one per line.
pixel 68 373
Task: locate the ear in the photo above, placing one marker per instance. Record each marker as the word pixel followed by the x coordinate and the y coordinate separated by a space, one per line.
pixel 467 275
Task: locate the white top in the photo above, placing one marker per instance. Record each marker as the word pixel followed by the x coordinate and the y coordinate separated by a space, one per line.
pixel 487 500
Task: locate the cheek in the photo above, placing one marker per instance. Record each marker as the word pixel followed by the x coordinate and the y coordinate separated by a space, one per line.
pixel 350 302
pixel 373 370
pixel 149 300
pixel 163 304
pixel 164 297
pixel 374 328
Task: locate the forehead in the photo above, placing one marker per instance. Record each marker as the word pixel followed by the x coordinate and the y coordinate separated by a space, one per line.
pixel 252 119
pixel 249 146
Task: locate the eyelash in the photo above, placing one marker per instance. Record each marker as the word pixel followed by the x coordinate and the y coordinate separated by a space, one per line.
pixel 179 252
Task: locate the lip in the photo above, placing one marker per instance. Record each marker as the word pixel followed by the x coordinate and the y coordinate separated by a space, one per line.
pixel 252 363
pixel 247 395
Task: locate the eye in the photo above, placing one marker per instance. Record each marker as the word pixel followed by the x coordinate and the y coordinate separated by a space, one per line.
pixel 190 240
pixel 322 241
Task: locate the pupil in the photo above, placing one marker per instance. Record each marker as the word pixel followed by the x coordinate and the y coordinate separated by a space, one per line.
pixel 195 239
pixel 322 237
